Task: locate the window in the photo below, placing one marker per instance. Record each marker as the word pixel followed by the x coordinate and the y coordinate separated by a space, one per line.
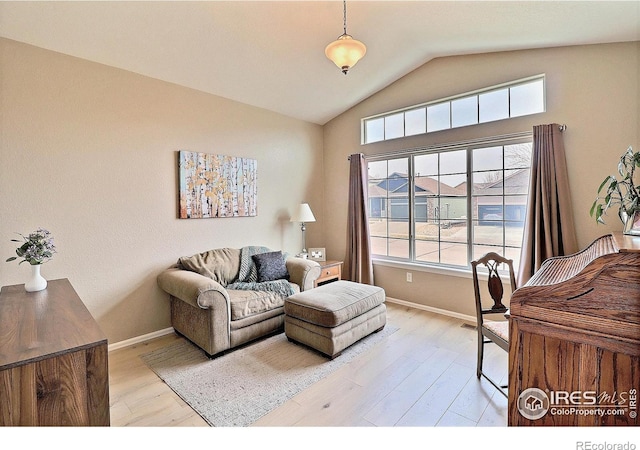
pixel 448 205
pixel 514 99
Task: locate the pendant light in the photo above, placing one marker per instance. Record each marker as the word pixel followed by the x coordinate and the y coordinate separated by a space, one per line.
pixel 345 51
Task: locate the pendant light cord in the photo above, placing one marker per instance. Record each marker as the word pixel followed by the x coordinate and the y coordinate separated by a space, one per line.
pixel 344 3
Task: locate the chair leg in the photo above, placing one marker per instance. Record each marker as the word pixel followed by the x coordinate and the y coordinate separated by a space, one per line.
pixel 480 354
pixel 497 386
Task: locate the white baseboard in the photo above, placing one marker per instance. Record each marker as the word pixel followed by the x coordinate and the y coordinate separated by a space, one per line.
pixel 139 339
pixel 444 312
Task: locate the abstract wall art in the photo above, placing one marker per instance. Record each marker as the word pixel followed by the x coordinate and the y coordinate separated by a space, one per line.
pixel 217 186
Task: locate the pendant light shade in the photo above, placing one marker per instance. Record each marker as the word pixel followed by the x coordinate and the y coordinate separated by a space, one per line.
pixel 345 51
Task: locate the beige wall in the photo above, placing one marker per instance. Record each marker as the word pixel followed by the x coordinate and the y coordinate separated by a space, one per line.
pixel 592 89
pixel 89 152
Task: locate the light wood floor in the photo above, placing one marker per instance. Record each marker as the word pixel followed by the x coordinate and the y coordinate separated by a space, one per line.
pixel 421 375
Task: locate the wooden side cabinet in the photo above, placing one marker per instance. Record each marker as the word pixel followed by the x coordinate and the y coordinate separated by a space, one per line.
pixel 53 359
pixel 329 271
pixel 574 345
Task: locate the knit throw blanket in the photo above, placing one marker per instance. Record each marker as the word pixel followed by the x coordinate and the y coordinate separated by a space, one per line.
pixel 248 275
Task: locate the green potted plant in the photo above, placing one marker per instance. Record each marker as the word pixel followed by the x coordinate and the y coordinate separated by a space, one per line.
pixel 622 192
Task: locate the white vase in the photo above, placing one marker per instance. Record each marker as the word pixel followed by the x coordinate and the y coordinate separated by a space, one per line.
pixel 36 282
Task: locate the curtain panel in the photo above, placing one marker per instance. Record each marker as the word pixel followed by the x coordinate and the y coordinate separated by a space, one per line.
pixel 358 264
pixel 549 226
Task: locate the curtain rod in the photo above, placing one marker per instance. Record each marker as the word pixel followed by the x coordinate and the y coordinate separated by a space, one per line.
pixel 503 137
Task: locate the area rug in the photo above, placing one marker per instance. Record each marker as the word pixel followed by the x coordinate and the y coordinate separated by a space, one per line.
pixel 236 389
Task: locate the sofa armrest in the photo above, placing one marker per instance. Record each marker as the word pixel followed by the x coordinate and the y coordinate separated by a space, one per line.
pixel 193 288
pixel 303 272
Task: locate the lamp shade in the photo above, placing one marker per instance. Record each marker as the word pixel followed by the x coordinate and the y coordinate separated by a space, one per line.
pixel 345 52
pixel 303 214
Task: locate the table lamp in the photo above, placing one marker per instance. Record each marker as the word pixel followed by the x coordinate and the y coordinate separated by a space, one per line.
pixel 303 214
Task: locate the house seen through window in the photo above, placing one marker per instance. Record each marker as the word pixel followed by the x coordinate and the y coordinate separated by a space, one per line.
pixel 446 207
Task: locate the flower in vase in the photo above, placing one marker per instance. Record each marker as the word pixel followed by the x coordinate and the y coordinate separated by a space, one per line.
pixel 37 247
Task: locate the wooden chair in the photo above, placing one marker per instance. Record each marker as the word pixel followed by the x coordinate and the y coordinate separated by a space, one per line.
pixel 491 330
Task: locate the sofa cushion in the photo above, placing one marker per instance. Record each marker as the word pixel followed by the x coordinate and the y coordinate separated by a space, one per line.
pixel 335 303
pixel 221 265
pixel 270 266
pixel 248 303
pixel 248 272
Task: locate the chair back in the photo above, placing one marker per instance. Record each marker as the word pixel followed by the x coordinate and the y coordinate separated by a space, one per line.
pixel 492 262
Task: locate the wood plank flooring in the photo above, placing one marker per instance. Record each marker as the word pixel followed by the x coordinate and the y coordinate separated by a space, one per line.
pixel 421 375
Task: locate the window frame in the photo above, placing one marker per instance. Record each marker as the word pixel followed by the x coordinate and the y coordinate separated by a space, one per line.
pixel 508 86
pixel 469 146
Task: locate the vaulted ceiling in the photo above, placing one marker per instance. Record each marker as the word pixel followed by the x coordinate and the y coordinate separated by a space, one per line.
pixel 271 54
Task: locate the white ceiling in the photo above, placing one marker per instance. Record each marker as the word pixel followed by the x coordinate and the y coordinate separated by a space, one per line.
pixel 271 54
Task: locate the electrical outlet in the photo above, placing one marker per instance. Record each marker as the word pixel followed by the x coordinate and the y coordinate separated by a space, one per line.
pixel 409 277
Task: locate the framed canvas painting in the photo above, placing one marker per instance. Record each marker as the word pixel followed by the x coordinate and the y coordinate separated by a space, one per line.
pixel 217 186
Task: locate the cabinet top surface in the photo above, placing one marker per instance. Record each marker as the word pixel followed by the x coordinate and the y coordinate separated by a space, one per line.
pixel 330 263
pixel 627 243
pixel 37 325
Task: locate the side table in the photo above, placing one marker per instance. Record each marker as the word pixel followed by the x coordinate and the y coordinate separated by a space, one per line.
pixel 330 271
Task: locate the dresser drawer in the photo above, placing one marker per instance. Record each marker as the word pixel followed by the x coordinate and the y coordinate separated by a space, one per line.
pixel 330 272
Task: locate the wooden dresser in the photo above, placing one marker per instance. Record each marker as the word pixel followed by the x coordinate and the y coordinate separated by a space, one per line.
pixel 574 351
pixel 53 359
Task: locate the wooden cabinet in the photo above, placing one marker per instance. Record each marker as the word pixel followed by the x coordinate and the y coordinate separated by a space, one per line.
pixel 329 271
pixel 574 350
pixel 53 359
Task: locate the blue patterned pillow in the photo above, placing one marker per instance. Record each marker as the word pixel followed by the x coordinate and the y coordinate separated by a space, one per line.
pixel 270 266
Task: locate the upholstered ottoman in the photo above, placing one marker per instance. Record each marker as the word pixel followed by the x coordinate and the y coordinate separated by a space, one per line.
pixel 333 316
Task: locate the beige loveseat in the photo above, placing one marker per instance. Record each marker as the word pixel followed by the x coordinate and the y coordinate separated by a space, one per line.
pixel 220 301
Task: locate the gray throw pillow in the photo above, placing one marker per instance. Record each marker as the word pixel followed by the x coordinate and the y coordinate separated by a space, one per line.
pixel 270 266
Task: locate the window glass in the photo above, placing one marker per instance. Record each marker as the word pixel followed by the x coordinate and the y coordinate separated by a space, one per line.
pixel 480 250
pixel 399 248
pixel 519 98
pixel 493 105
pixel 517 156
pixel 428 251
pixel 426 164
pixel 438 117
pixel 377 170
pixel 453 254
pixel 515 210
pixel 374 130
pixel 453 162
pixel 527 98
pixel 399 213
pixel 415 121
pixel 394 126
pixel 453 184
pixel 487 232
pixel 489 158
pixel 487 183
pixel 379 246
pixel 398 166
pixel 433 201
pixel 464 111
pixel 516 181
